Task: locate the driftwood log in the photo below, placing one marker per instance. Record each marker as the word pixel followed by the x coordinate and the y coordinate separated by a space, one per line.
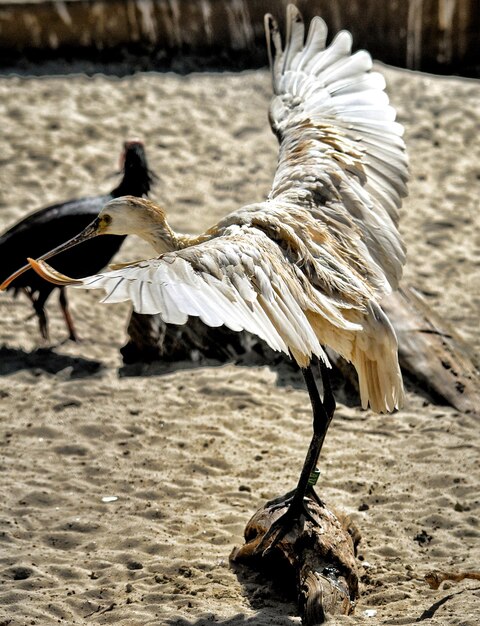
pixel 318 556
pixel 431 352
pixel 437 577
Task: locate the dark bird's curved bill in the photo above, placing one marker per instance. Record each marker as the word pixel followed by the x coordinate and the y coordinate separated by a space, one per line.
pixel 92 230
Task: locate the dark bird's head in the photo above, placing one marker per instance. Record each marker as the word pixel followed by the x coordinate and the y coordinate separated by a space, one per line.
pixel 137 177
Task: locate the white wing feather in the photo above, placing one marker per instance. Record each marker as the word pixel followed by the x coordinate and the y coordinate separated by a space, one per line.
pixel 339 142
pixel 248 296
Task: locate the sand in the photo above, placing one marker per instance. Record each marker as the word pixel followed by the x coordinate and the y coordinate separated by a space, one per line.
pixel 185 457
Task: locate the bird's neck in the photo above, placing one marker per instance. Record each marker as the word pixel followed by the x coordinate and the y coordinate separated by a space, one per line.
pixel 134 183
pixel 164 239
pixel 154 228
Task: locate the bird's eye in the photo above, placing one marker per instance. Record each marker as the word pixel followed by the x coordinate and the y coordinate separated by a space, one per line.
pixel 106 220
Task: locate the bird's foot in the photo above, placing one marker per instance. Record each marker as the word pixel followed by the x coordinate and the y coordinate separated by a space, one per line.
pixel 281 501
pixel 67 340
pixel 297 508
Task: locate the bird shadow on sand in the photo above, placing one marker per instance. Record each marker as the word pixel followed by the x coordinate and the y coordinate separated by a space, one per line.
pixel 287 372
pixel 46 360
pixel 287 375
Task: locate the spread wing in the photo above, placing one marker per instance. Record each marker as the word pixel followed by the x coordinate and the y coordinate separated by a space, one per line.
pixel 341 151
pixel 239 279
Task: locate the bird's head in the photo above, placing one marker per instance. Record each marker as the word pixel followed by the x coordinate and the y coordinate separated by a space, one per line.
pixel 127 215
pixel 137 178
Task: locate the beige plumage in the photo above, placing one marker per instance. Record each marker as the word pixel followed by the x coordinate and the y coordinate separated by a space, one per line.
pixel 308 266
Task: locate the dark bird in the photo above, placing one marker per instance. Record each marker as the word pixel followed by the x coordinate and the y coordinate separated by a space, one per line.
pixel 48 227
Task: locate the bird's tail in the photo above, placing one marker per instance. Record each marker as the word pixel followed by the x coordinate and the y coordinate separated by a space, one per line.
pixel 370 344
pixel 374 355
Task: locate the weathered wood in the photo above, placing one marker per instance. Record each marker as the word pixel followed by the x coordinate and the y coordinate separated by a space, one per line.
pixel 431 352
pixel 318 555
pixel 153 340
pixel 418 34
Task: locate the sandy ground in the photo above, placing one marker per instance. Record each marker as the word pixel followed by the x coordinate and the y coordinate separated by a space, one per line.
pixel 191 454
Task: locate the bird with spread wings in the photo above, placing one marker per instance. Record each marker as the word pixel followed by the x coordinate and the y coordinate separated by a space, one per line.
pixel 307 267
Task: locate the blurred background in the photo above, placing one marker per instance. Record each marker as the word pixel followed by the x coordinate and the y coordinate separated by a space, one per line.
pixel 438 36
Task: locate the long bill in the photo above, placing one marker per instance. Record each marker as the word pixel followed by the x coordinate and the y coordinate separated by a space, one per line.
pixel 47 272
pixel 88 233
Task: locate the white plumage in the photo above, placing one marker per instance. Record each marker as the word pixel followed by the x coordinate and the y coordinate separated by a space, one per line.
pixel 308 266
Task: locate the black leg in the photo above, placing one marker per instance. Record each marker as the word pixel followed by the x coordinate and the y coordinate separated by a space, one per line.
pixel 67 315
pixel 31 297
pixel 39 306
pixel 328 397
pixel 322 416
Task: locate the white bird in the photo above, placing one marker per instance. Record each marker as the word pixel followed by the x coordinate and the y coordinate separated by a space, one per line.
pixel 308 266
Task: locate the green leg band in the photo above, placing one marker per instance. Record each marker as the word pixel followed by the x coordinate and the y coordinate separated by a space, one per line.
pixel 312 481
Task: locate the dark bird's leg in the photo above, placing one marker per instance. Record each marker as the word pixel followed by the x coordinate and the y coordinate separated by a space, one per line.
pixel 322 416
pixel 72 335
pixel 31 297
pixel 39 306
